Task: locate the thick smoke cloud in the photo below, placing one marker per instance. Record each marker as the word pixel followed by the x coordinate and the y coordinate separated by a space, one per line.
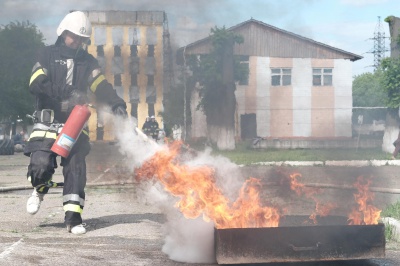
pixel 189 20
pixel 186 240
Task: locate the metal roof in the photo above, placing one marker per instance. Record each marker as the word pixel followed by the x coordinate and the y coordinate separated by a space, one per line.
pixel 284 44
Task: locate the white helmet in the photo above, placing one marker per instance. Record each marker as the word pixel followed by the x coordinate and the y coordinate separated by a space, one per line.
pixel 76 22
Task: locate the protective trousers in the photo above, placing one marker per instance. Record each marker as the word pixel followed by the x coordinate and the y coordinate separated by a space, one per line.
pixel 41 170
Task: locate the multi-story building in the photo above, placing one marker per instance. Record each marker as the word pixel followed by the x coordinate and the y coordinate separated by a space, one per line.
pixel 131 47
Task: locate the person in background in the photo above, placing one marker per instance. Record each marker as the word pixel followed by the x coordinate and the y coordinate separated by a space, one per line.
pixel 19 138
pixel 146 126
pixel 153 127
pixel 396 145
pixel 63 76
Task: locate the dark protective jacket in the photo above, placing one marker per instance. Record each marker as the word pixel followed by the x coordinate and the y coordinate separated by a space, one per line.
pixel 146 128
pixel 154 129
pixel 62 78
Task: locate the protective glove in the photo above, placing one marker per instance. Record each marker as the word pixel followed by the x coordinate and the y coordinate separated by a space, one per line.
pixel 120 111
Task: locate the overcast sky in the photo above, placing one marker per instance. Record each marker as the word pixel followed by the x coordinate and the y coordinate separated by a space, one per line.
pixel 345 24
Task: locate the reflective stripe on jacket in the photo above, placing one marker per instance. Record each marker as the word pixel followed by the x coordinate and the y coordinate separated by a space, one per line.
pixel 61 77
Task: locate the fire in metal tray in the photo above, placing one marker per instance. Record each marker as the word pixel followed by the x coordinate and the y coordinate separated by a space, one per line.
pixel 250 231
pixel 331 240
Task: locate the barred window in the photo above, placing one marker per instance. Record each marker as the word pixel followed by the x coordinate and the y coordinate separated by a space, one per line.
pixel 281 76
pixel 322 76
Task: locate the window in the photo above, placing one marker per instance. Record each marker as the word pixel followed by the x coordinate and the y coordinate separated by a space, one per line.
pixel 100 50
pixel 134 80
pixel 150 109
pixel 134 50
pixel 244 64
pixel 150 51
pixel 150 80
pixel 281 76
pixel 117 80
pixel 117 50
pixel 322 76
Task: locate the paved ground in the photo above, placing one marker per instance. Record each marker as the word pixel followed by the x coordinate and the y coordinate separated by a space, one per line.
pixel 121 229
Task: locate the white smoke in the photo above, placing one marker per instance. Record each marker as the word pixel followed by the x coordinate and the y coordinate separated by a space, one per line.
pixel 229 178
pixel 132 142
pixel 186 240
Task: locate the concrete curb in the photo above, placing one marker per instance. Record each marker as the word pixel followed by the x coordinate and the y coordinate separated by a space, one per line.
pixel 355 163
pixel 389 221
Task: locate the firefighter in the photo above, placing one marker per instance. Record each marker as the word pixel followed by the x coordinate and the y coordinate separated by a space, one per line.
pixel 153 127
pixel 64 75
pixel 146 126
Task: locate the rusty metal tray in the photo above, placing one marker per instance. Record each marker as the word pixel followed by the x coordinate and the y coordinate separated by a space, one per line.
pixel 297 241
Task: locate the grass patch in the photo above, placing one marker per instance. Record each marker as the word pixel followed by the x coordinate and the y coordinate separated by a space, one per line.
pixel 389 232
pixel 244 154
pixel 392 210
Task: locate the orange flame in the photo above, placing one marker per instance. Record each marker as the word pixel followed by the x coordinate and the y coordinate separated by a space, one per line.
pixel 300 189
pixel 364 213
pixel 199 195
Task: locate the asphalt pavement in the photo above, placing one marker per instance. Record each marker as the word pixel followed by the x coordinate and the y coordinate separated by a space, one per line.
pixel 122 229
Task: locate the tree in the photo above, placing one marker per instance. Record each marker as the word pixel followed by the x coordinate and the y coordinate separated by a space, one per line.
pixel 368 92
pixel 391 81
pixel 174 106
pixel 216 74
pixel 391 85
pixel 19 43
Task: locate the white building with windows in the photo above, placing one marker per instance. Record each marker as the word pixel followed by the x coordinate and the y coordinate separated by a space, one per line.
pixel 297 87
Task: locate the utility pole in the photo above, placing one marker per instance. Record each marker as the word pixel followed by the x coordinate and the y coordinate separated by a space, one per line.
pixel 379 44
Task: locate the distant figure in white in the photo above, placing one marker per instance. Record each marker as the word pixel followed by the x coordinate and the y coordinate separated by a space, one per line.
pixel 177 132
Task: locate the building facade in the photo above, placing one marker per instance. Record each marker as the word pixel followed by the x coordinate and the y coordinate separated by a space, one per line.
pixel 130 47
pixel 297 87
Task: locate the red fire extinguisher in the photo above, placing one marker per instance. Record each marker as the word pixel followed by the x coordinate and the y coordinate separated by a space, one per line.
pixel 71 130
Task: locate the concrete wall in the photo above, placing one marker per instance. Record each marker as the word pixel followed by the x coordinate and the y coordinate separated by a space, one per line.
pixel 309 143
pixel 301 109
